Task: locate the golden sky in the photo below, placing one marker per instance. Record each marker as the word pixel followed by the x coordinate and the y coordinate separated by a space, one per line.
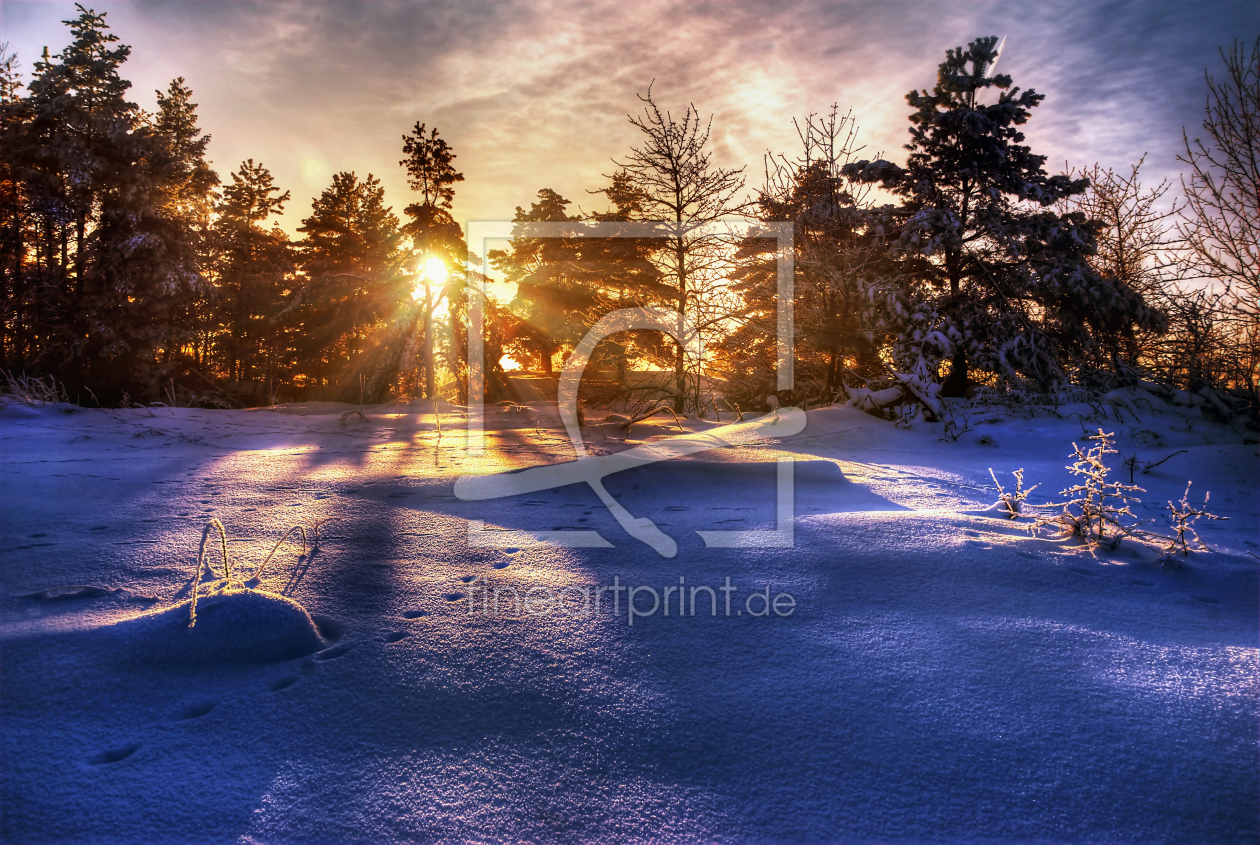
pixel 534 95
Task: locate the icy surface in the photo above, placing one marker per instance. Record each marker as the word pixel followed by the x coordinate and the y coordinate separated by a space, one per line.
pixel 942 676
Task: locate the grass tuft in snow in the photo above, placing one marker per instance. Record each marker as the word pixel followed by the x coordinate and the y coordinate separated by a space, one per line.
pixel 31 390
pixel 230 584
pixel 201 562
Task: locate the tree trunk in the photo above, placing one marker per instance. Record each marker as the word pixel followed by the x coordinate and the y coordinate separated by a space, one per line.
pixel 956 384
pixel 428 343
pixel 680 377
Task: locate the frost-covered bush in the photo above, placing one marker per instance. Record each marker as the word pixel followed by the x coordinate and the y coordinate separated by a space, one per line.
pixel 1096 507
pixel 1013 502
pixel 1182 516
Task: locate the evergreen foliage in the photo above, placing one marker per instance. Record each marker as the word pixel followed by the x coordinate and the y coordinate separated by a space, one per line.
pixel 1010 278
pixel 128 267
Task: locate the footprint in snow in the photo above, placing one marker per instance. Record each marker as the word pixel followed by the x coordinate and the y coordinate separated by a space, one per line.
pixel 415 614
pixel 395 636
pixel 468 579
pixel 453 597
pixel 503 564
pixel 115 755
pixel 76 591
pixel 334 652
pixel 196 711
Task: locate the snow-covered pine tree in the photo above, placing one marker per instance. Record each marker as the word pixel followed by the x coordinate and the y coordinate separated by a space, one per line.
pixel 115 268
pixel 1010 276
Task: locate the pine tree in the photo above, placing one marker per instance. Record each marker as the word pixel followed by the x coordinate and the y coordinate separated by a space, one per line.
pixel 1016 293
pixel 192 200
pixel 430 165
pixel 352 260
pixel 836 263
pixel 551 298
pixel 115 268
pixel 15 292
pixel 250 274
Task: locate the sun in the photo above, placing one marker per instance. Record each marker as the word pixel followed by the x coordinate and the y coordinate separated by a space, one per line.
pixel 434 271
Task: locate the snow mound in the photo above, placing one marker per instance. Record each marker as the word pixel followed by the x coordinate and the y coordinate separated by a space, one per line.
pixel 246 626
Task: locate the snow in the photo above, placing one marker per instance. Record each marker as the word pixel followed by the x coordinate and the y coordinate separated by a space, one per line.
pixel 942 676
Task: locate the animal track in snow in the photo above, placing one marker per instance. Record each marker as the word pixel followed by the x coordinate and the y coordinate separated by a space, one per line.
pixel 415 614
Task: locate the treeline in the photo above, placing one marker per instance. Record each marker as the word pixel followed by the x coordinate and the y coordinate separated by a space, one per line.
pixel 130 265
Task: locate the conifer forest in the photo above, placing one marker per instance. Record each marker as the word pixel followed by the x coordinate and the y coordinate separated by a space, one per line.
pixel 133 265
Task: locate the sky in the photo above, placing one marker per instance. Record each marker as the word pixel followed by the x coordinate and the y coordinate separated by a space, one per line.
pixel 536 95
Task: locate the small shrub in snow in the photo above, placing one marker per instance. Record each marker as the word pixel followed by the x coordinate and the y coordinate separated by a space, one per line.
pixel 1096 507
pixel 1183 516
pixel 954 429
pixel 1013 502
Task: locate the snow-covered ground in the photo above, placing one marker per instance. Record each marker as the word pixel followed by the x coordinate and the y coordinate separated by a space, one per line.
pixel 938 675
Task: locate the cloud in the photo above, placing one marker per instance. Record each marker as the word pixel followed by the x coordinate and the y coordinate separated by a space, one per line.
pixel 534 95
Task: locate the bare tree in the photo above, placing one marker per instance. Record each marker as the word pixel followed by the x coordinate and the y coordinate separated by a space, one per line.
pixel 1136 244
pixel 1221 216
pixel 835 268
pixel 678 184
